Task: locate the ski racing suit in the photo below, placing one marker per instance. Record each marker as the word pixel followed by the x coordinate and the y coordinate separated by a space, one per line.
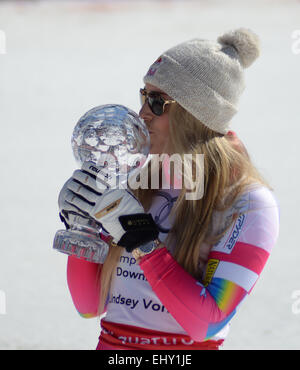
pixel 156 304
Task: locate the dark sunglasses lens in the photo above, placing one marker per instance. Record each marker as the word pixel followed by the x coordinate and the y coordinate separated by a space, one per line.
pixel 157 105
pixel 155 102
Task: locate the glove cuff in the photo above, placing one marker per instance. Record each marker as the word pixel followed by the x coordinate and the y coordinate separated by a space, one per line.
pixel 140 228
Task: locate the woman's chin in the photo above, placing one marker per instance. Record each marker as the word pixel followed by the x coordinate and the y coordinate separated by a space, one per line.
pixel 154 149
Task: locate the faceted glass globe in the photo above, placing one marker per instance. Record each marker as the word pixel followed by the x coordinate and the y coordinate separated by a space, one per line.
pixel 111 136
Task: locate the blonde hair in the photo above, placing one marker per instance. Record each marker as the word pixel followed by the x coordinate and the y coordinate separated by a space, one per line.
pixel 227 165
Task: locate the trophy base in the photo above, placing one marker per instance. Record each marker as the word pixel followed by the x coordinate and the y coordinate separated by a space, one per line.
pixel 80 245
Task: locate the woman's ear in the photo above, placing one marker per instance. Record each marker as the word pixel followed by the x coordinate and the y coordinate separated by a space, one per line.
pixel 237 144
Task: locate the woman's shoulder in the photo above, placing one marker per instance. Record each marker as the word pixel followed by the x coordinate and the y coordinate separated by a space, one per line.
pixel 256 203
pixel 260 215
pixel 257 197
pixel 253 218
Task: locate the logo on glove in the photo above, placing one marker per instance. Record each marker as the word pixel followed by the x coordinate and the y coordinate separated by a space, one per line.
pixel 98 170
pixel 108 209
pixel 139 222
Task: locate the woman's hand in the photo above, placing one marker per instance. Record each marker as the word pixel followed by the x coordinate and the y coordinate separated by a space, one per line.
pixel 119 212
pixel 91 178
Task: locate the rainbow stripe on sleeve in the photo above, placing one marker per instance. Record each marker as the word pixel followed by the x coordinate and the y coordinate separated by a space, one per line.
pixel 87 315
pixel 226 294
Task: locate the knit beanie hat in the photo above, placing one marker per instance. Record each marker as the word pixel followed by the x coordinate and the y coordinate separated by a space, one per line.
pixel 206 77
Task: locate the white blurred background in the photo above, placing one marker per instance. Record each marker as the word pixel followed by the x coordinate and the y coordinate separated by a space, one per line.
pixel 58 59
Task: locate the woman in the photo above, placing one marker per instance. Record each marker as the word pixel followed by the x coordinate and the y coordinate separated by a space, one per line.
pixel 179 286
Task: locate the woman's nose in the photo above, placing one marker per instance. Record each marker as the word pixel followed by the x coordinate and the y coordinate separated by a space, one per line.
pixel 142 111
pixel 146 117
pixel 145 112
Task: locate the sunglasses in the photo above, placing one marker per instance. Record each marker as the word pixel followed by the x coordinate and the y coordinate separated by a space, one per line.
pixel 155 101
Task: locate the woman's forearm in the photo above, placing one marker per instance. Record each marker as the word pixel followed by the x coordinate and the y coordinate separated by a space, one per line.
pixel 84 284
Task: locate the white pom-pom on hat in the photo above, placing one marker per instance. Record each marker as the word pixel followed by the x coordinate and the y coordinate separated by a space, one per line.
pixel 245 42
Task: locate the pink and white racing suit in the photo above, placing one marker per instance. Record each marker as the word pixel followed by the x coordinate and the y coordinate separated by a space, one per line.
pixel 157 304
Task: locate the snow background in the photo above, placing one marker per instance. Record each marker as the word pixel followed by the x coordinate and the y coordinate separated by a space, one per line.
pixel 63 58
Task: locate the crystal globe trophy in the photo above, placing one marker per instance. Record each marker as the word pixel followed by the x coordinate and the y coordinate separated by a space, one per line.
pixel 116 141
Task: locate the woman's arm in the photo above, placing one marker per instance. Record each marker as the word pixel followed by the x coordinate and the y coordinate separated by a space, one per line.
pixel 233 267
pixel 83 279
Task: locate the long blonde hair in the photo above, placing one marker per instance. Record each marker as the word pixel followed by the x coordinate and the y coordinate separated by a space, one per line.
pixel 226 165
